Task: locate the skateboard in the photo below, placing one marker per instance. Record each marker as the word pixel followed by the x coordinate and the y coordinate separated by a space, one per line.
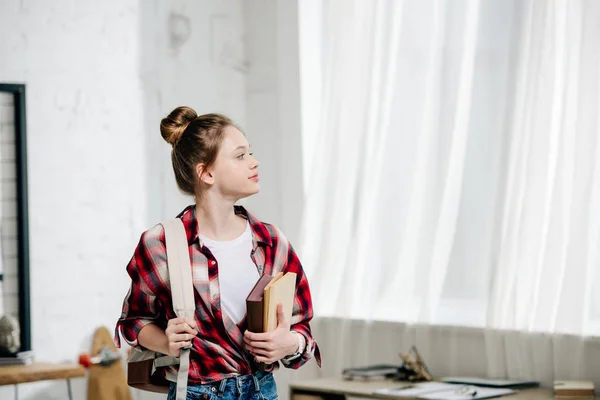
pixel 106 378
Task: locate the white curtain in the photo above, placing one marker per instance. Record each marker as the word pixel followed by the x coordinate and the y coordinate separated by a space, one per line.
pixel 549 221
pixel 452 172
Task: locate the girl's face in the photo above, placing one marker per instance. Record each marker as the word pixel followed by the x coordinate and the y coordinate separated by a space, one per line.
pixel 235 171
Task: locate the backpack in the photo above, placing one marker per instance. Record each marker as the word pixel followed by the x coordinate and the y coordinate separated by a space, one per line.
pixel 143 363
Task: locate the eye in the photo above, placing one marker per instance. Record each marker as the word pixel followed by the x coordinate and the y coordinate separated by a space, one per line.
pixel 241 156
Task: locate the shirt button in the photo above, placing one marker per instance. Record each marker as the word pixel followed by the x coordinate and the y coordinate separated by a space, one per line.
pixel 213 262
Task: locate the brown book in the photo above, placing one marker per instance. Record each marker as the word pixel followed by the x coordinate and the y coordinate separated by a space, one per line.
pixel 278 291
pixel 254 304
pixel 255 308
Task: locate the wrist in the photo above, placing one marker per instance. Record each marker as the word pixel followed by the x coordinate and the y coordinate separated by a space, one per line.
pixel 299 344
pixel 294 345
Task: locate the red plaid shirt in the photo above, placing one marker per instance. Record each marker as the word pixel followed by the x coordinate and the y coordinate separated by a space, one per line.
pixel 218 349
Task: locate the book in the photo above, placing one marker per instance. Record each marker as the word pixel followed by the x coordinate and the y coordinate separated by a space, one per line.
pixel 275 279
pixel 255 309
pixel 281 289
pixel 377 371
pixel 20 358
pixel 574 389
pixel 493 383
pixel 261 303
pixel 254 304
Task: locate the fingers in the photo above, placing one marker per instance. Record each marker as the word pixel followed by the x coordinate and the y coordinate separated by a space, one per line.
pixel 258 341
pixel 181 325
pixel 258 346
pixel 180 333
pixel 181 337
pixel 280 316
pixel 191 323
pixel 175 348
pixel 259 337
pixel 179 345
pixel 182 320
pixel 260 352
pixel 267 359
pixel 176 321
pixel 181 328
pixel 184 344
pixel 282 321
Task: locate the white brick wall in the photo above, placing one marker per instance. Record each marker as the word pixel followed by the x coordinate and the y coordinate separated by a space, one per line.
pixel 273 116
pixel 99 76
pixel 192 54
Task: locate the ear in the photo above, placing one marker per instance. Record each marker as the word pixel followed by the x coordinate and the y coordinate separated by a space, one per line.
pixel 204 175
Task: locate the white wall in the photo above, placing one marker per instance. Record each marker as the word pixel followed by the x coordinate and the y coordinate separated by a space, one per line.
pixel 86 179
pixel 273 111
pixel 192 53
pixel 99 77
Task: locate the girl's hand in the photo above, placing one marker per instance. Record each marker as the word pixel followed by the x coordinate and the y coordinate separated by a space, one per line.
pixel 180 332
pixel 270 347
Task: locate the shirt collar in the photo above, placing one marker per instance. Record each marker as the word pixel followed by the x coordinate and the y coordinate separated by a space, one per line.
pixel 260 233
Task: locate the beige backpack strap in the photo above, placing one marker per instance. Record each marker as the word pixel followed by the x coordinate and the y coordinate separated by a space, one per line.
pixel 182 289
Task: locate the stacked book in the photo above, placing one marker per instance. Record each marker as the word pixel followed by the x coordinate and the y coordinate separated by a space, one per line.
pixel 261 303
pixel 20 358
pixel 371 372
pixel 574 389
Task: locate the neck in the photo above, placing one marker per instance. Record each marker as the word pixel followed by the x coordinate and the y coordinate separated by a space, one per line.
pixel 216 217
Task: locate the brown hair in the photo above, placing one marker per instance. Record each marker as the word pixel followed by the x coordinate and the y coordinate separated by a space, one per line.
pixel 195 139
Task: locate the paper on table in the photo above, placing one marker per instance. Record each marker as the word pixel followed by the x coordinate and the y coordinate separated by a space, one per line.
pixel 418 389
pixel 474 393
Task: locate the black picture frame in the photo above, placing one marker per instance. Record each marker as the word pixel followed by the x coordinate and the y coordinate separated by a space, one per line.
pixel 20 118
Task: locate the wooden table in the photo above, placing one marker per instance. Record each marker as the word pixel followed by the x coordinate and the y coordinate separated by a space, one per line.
pixel 34 372
pixel 338 389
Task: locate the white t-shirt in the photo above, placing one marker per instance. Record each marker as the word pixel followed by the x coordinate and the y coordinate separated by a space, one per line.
pixel 237 272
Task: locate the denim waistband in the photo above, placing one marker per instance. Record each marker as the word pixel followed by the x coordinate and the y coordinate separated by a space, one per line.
pixel 239 384
pixel 241 381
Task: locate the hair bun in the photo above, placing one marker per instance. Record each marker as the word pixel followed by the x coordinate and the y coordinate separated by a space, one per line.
pixel 173 125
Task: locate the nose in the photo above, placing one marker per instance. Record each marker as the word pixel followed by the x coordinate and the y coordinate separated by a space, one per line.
pixel 255 162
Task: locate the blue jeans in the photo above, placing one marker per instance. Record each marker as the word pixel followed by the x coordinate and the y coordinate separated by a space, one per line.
pixel 259 386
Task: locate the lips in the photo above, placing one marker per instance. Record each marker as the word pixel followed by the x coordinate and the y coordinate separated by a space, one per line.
pixel 254 177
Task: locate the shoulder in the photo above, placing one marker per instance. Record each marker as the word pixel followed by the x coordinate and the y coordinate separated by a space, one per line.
pixel 274 233
pixel 150 257
pixel 266 232
pixel 151 246
pixel 153 236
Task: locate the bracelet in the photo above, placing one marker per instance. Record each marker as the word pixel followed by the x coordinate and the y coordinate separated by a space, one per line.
pixel 300 350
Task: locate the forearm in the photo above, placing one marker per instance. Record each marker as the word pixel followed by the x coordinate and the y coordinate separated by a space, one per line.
pixel 154 338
